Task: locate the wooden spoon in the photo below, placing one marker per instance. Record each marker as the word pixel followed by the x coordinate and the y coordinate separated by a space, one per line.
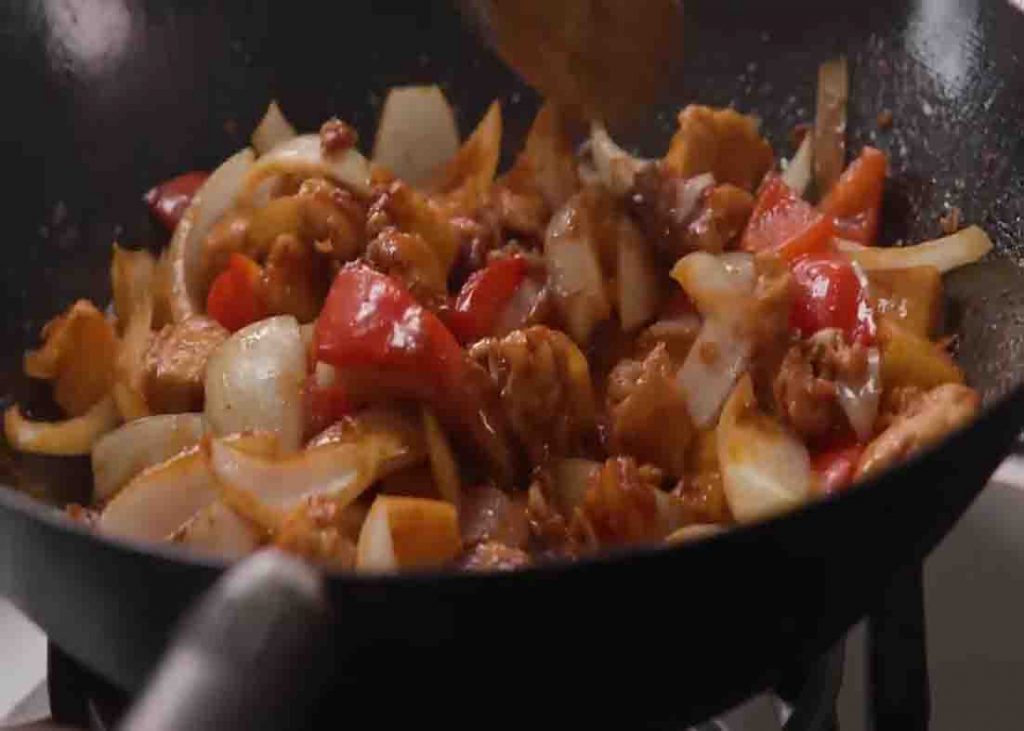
pixel 606 59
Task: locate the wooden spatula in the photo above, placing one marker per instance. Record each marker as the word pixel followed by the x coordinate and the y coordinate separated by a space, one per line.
pixel 607 59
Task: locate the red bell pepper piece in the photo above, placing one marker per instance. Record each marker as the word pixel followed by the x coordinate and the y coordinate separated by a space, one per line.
pixel 168 200
pixel 234 299
pixel 325 405
pixel 856 199
pixel 371 325
pixel 829 294
pixel 483 297
pixel 836 466
pixel 785 223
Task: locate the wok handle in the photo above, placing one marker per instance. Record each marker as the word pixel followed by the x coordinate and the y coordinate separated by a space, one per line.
pixel 251 655
pixel 900 695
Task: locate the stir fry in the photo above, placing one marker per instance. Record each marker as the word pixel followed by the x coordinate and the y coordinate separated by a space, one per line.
pixel 416 360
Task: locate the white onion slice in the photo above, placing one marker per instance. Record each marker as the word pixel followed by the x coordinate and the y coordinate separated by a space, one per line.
pixel 443 464
pixel 830 124
pixel 416 134
pixel 188 281
pixel 218 530
pixel 61 438
pixel 302 156
pixel 637 277
pixel 125 452
pixel 860 401
pixel 266 489
pixel 694 533
pixel 161 499
pixel 717 285
pixel 765 469
pixel 406 532
pixel 946 254
pixel 800 170
pixel 272 130
pixel 574 271
pixel 615 167
pixel 254 381
pixel 717 358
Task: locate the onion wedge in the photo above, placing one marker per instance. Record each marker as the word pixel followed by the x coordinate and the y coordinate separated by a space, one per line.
pixel 765 469
pixel 407 532
pixel 416 134
pixel 125 452
pixel 302 156
pixel 946 254
pixel 265 490
pixel 860 401
pixel 272 130
pixel 159 500
pixel 61 438
pixel 574 271
pixel 717 358
pixel 218 530
pixel 800 171
pixel 717 285
pixel 254 381
pixel 638 286
pixel 443 465
pixel 830 124
pixel 615 168
pixel 188 280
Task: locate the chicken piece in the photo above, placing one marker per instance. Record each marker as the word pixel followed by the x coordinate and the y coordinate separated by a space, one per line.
pixel 552 533
pixel 333 218
pixel 294 281
pixel 722 142
pixel 648 414
pixel 398 205
pixel 175 364
pixel 545 389
pixel 895 402
pixel 724 212
pixel 700 491
pixel 679 215
pixel 926 421
pixel 494 556
pixel 407 258
pixel 322 532
pixel 805 388
pixel 78 382
pixel 620 505
pixel 486 514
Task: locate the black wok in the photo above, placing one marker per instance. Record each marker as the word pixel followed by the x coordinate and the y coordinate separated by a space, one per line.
pixel 105 98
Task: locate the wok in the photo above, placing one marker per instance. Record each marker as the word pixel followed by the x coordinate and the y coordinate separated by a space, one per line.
pixel 106 98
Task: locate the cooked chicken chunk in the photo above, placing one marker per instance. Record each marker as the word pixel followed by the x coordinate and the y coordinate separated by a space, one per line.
pixel 545 388
pixel 722 142
pixel 805 389
pixel 175 364
pixel 620 505
pixel 679 215
pixel 648 414
pixel 927 420
pixel 408 258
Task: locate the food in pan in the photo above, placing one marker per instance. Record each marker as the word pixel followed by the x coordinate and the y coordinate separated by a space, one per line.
pixel 415 360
